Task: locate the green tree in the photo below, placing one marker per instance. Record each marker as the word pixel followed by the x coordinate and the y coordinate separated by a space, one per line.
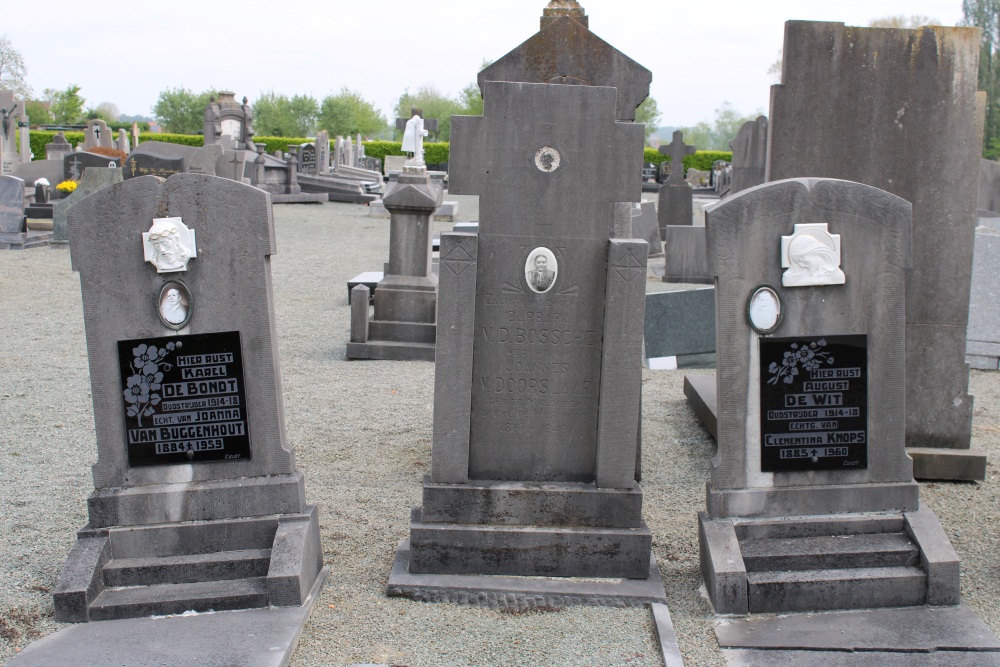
pixel 717 135
pixel 347 114
pixel 66 105
pixel 181 110
pixel 106 111
pixel 648 113
pixel 985 14
pixel 279 116
pixel 901 21
pixel 435 105
pixel 470 99
pixel 38 112
pixel 13 72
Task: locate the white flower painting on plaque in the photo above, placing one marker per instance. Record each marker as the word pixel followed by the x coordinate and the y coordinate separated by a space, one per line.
pixel 811 256
pixel 169 245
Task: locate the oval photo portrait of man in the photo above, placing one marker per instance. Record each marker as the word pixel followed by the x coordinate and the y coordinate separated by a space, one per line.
pixel 174 305
pixel 540 270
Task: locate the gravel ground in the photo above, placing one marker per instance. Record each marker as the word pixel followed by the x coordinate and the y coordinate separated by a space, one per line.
pixel 362 432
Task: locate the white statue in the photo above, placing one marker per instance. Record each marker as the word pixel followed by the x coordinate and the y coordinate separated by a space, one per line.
pixel 169 245
pixel 812 256
pixel 413 140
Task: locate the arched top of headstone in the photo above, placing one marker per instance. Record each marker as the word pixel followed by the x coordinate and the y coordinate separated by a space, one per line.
pixel 565 51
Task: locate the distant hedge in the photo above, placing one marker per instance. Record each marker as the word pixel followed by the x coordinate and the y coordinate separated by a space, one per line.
pixel 434 152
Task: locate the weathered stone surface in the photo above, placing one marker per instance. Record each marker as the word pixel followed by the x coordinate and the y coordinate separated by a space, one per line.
pixel 983 334
pixel 918 99
pixel 744 248
pixel 680 323
pixel 749 155
pixel 685 260
pixel 989 185
pixel 93 180
pixel 11 205
pixel 565 51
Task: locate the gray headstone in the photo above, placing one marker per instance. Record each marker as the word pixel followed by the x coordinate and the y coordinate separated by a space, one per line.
pixel 51 170
pixel 646 226
pixel 680 324
pixel 11 205
pixel 919 101
pixel 94 179
pixel 122 143
pixel 165 149
pixel 97 135
pixel 205 159
pixel 675 205
pixel 566 51
pixel 214 449
pixel 74 164
pixel 148 164
pixel 989 185
pixel 749 155
pixel 541 326
pixel 983 347
pixel 811 290
pixel 58 147
pixel 323 152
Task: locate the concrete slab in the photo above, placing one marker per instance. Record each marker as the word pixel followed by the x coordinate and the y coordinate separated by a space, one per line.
pixel 668 638
pixel 250 638
pixel 300 198
pixel 909 629
pixel 503 592
pixel 967 465
pixel 758 658
pixel 702 393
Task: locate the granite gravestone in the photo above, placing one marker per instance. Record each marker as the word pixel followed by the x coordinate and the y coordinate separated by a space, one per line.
pixel 205 160
pixel 307 158
pixel 149 164
pixel 675 202
pixel 94 179
pixel 58 148
pixel 122 143
pixel 11 209
pixel 749 155
pixel 322 152
pixel 919 100
pixel 404 326
pixel 983 347
pixel 989 185
pixel 812 503
pixel 197 502
pixel 97 135
pixel 645 226
pixel 74 164
pixel 536 410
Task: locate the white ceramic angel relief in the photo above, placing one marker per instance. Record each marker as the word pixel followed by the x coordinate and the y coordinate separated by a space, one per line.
pixel 169 245
pixel 811 256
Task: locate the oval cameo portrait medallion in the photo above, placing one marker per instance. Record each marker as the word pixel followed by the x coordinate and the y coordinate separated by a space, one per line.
pixel 174 305
pixel 540 270
pixel 764 310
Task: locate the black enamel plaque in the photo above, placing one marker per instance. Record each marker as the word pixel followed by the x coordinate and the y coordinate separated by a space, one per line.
pixel 814 403
pixel 184 399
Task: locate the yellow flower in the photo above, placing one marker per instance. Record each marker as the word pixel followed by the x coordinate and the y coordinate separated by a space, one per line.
pixel 66 186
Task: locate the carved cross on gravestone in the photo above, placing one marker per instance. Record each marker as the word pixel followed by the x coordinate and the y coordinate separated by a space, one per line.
pixel 677 149
pixel 430 124
pixel 97 133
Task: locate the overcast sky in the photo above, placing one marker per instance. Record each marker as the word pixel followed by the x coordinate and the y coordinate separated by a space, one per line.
pixel 701 53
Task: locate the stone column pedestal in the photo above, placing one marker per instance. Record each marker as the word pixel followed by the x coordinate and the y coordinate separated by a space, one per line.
pixel 404 325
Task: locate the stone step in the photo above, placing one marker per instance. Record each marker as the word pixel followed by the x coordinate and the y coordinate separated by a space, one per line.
pixel 188 568
pixel 865 550
pixel 162 599
pixel 820 590
pixel 191 537
pixel 815 526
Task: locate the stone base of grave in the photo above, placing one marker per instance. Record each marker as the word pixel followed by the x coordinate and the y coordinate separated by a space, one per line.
pixel 390 339
pixel 931 463
pixel 446 212
pixel 339 189
pixel 685 260
pixel 170 568
pixel 818 563
pixel 506 592
pixel 22 240
pixel 300 198
pixel 529 530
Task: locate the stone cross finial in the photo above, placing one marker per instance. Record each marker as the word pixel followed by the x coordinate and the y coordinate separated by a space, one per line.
pixel 677 149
